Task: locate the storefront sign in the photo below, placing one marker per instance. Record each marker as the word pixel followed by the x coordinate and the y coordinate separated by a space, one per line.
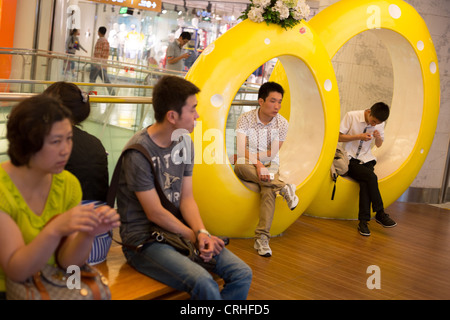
pixel 152 5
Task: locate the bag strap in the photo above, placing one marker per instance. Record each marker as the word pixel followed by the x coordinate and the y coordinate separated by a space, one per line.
pixel 334 191
pixel 334 176
pixel 166 203
pixel 40 287
pixel 92 284
pixel 112 191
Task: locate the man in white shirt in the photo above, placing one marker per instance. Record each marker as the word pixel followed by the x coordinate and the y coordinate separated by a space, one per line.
pixel 260 135
pixel 357 130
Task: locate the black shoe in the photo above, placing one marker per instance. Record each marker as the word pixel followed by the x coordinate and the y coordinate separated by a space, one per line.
pixel 384 219
pixel 364 228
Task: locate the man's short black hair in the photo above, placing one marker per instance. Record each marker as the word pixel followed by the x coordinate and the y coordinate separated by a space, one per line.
pixel 269 87
pixel 185 35
pixel 171 93
pixel 380 111
pixel 102 30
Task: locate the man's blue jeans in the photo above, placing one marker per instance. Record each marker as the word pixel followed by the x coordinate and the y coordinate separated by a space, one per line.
pixel 163 263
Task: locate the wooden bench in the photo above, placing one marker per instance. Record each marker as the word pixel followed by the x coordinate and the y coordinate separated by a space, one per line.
pixel 126 283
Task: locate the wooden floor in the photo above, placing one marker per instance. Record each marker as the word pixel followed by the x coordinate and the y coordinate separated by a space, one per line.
pixel 328 259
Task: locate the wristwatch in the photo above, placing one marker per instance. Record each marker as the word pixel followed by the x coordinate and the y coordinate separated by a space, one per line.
pixel 204 231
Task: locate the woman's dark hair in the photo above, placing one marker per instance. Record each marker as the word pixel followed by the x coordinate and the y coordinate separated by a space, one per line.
pixel 171 93
pixel 29 123
pixel 269 87
pixel 73 98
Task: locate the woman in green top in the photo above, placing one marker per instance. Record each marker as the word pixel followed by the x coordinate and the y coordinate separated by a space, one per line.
pixel 34 188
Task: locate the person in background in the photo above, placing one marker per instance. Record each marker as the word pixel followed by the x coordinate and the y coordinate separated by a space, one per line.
pixel 72 45
pixel 174 54
pixel 41 218
pixel 101 53
pixel 88 160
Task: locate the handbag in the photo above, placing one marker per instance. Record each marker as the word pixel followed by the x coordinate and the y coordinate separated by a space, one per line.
pixel 52 283
pixel 181 244
pixel 158 234
pixel 102 242
pixel 100 248
pixel 339 166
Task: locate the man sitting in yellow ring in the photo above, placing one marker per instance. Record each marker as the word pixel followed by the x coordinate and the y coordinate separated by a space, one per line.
pixel 358 129
pixel 260 135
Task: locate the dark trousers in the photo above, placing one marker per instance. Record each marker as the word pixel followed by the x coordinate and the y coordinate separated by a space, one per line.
pixel 368 187
pixel 97 71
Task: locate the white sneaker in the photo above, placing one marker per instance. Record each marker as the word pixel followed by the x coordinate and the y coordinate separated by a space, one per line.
pixel 262 245
pixel 288 193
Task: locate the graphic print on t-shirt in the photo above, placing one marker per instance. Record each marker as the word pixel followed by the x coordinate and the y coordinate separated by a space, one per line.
pixel 167 169
pixel 169 179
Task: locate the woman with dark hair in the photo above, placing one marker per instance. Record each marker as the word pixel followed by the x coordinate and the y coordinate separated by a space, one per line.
pixel 41 219
pixel 88 161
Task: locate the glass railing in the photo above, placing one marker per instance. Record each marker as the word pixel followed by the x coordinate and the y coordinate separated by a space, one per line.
pixel 42 68
pixel 113 119
pixel 43 65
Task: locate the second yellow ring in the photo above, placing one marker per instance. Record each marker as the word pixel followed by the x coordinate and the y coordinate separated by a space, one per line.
pixel 227 206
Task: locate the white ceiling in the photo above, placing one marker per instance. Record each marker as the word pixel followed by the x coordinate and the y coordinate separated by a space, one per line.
pixel 229 6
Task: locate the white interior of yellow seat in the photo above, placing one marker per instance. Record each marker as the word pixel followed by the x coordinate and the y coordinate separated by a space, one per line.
pixel 402 128
pixel 301 150
pixel 303 146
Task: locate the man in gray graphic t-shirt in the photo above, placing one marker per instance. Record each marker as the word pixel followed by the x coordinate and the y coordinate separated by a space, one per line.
pixel 139 205
pixel 139 177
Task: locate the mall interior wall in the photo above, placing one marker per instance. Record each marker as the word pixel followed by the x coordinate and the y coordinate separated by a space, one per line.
pixel 362 66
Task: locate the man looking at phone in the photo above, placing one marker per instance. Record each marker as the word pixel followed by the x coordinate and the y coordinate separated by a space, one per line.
pixel 174 53
pixel 358 129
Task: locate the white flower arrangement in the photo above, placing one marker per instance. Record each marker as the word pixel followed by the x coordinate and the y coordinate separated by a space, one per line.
pixel 286 13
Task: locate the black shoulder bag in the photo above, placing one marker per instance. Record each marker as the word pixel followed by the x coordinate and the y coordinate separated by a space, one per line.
pixel 158 234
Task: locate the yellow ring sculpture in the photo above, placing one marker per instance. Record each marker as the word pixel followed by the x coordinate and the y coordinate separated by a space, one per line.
pixel 415 103
pixel 227 206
